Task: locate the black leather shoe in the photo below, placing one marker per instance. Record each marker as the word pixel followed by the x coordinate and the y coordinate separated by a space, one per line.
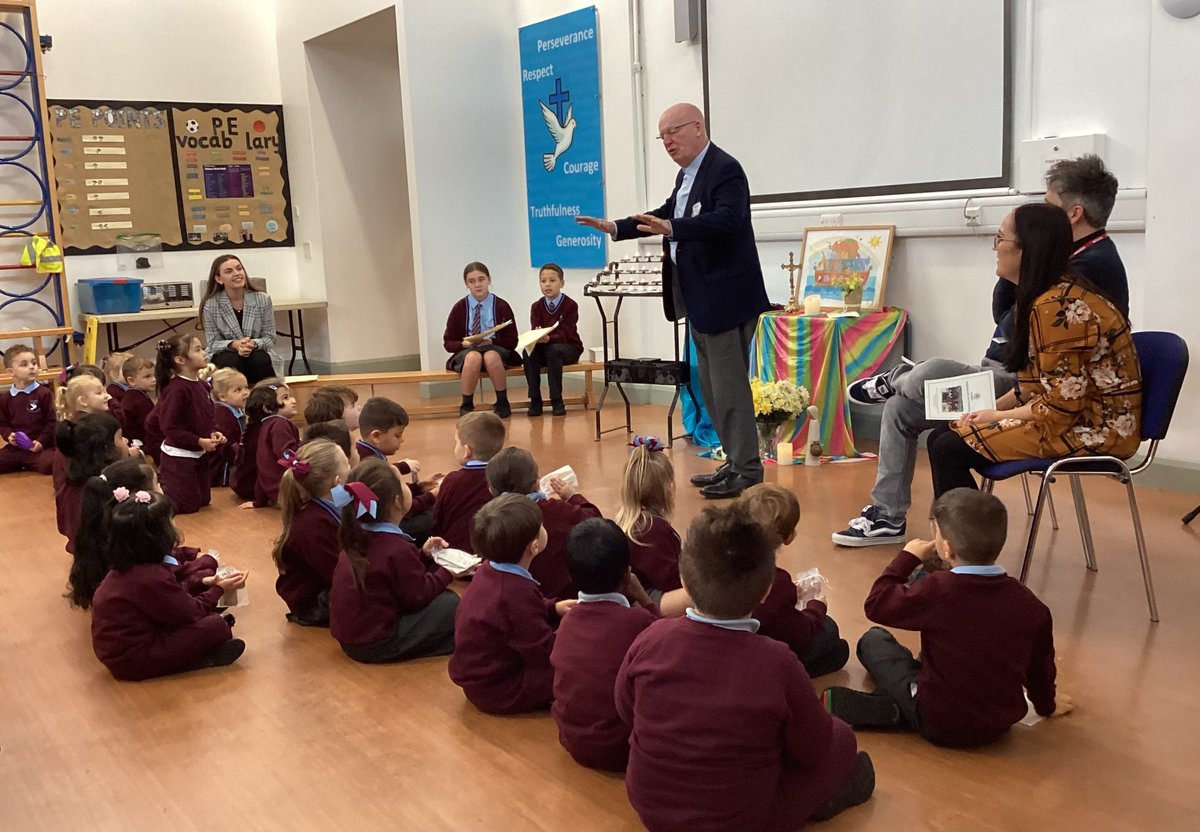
pixel 535 408
pixel 731 486
pixel 502 409
pixel 558 407
pixel 463 410
pixel 712 479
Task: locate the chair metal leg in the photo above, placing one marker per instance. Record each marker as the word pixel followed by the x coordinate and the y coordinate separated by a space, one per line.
pixel 988 486
pixel 1142 554
pixel 1053 513
pixel 1025 488
pixel 1085 527
pixel 1043 494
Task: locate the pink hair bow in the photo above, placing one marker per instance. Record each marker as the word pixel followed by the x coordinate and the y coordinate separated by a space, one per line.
pixel 364 497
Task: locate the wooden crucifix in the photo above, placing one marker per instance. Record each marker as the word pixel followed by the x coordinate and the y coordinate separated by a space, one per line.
pixel 791 267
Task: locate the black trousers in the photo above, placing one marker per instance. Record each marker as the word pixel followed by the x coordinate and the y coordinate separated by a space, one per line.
pixel 951 461
pixel 894 670
pixel 827 653
pixel 255 367
pixel 553 357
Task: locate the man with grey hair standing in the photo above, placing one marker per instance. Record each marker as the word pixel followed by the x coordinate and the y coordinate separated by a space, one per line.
pixel 711 276
pixel 1086 191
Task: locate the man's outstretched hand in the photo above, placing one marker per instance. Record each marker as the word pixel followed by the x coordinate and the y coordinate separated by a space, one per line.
pixel 607 226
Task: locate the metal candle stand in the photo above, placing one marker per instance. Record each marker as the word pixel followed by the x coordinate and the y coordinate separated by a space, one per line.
pixel 636 276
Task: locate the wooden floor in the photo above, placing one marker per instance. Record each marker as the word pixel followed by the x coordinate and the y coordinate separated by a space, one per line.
pixel 297 737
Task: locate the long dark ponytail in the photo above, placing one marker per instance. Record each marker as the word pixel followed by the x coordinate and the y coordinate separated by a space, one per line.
pixel 88 445
pixel 1044 235
pixel 380 477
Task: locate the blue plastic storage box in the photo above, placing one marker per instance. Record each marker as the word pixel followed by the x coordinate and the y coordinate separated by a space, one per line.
pixel 110 295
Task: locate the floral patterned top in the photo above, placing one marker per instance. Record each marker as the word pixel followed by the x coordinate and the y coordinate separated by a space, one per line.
pixel 1083 381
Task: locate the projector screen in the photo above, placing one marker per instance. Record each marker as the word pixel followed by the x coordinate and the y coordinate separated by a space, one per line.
pixel 836 98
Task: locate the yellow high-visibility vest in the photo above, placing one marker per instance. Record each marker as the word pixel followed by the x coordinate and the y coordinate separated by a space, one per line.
pixel 42 254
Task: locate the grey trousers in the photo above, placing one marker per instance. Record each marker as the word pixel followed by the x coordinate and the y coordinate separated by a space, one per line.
pixel 903 423
pixel 429 632
pixel 723 360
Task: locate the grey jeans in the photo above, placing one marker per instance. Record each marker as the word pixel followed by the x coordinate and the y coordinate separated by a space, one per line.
pixel 903 423
pixel 723 364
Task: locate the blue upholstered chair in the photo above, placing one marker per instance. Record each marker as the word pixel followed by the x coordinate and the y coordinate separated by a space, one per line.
pixel 1163 357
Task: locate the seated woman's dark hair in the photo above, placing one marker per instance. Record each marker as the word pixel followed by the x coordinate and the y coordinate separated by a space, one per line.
pixel 1044 237
pixel 141 531
pixel 89 445
pixel 91 541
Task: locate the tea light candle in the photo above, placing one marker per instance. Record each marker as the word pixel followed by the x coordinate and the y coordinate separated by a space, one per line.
pixel 812 305
pixel 783 453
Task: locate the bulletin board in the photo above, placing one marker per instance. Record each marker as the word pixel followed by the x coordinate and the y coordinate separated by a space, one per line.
pixel 203 176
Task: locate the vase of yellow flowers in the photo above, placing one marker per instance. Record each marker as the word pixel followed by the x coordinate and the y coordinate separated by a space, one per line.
pixel 775 403
pixel 851 285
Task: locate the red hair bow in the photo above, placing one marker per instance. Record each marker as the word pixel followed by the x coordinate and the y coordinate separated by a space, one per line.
pixel 299 468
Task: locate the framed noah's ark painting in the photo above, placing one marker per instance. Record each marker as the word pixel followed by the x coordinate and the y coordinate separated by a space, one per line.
pixel 841 261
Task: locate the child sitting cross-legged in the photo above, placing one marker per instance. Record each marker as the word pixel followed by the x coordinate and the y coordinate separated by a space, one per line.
pixel 382 423
pixel 504 629
pixel 985 638
pixel 810 632
pixel 478 437
pixel 593 640
pixel 726 731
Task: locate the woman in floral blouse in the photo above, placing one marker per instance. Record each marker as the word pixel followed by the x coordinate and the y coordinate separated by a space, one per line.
pixel 1079 386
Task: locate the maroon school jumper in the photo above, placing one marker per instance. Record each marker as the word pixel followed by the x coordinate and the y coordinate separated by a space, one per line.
pixel 30 412
pixel 714 747
pixel 567 318
pixel 245 470
pixel 116 407
pixel 70 507
pixel 185 415
pixel 193 568
pixel 422 500
pixel 779 619
pixel 458 327
pixel 224 458
pixel 276 435
pixel 461 494
pixel 502 642
pixel 549 568
pixel 983 639
pixel 154 437
pixel 136 404
pixel 654 558
pixel 309 556
pixel 399 580
pixel 145 623
pixel 591 643
pixel 58 475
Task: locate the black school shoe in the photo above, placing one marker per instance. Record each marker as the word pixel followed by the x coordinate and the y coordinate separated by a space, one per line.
pixel 227 653
pixel 731 486
pixel 535 408
pixel 858 789
pixel 502 409
pixel 557 407
pixel 701 480
pixel 860 709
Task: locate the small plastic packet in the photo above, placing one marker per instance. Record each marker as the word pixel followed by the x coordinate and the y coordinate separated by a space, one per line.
pixel 809 584
pixel 232 597
pixel 565 473
pixel 455 561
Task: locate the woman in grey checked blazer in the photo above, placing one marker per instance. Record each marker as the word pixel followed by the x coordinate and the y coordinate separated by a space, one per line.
pixel 239 323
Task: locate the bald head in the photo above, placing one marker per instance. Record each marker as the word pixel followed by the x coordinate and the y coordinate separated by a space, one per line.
pixel 681 128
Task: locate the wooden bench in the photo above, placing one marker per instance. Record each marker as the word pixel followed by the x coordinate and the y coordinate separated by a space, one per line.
pixel 448 407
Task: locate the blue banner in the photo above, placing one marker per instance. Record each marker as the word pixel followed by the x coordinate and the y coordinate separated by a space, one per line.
pixel 560 95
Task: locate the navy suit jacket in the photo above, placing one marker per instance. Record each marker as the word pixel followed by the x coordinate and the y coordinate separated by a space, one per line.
pixel 719 274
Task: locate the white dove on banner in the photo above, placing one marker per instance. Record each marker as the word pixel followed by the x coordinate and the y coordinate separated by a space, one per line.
pixel 562 134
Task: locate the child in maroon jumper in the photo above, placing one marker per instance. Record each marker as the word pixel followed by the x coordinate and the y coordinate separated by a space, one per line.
pixel 647 501
pixel 307 549
pixel 230 392
pixel 381 423
pixel 471 351
pixel 331 403
pixel 85 447
pixel 137 401
pixel 145 623
pixel 504 626
pixel 185 415
pixel 477 438
pixel 810 632
pixel 115 385
pixel 592 641
pixel 270 407
pixel 26 416
pixel 985 638
pixel 514 471
pixel 556 349
pixel 726 731
pixel 389 600
pixel 82 395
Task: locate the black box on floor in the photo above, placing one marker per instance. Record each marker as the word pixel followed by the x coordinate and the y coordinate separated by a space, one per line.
pixel 645 371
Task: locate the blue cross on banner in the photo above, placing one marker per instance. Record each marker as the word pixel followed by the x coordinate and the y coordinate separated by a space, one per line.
pixel 560 95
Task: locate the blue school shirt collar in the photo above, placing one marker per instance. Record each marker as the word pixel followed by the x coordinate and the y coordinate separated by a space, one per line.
pixel 16 391
pixel 371 449
pixel 538 496
pixel 513 569
pixel 386 528
pixel 237 412
pixel 552 305
pixel 749 625
pixel 122 385
pixel 593 597
pixel 170 560
pixel 991 569
pixel 330 507
pixel 487 319
pixel 475 464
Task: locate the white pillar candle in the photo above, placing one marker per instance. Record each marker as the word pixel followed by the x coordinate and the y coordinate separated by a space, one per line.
pixel 783 453
pixel 812 305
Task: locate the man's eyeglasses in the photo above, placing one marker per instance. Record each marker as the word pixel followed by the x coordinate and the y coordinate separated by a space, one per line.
pixel 997 240
pixel 671 131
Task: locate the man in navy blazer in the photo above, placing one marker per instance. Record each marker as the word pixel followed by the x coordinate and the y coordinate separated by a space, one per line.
pixel 711 276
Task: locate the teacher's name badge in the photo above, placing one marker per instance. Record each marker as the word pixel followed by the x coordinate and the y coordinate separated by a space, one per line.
pixel 696 210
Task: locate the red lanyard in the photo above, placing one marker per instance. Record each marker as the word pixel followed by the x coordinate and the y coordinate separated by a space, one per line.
pixel 1089 244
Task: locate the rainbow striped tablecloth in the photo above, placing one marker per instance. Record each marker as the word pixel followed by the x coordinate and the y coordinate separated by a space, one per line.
pixel 822 353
